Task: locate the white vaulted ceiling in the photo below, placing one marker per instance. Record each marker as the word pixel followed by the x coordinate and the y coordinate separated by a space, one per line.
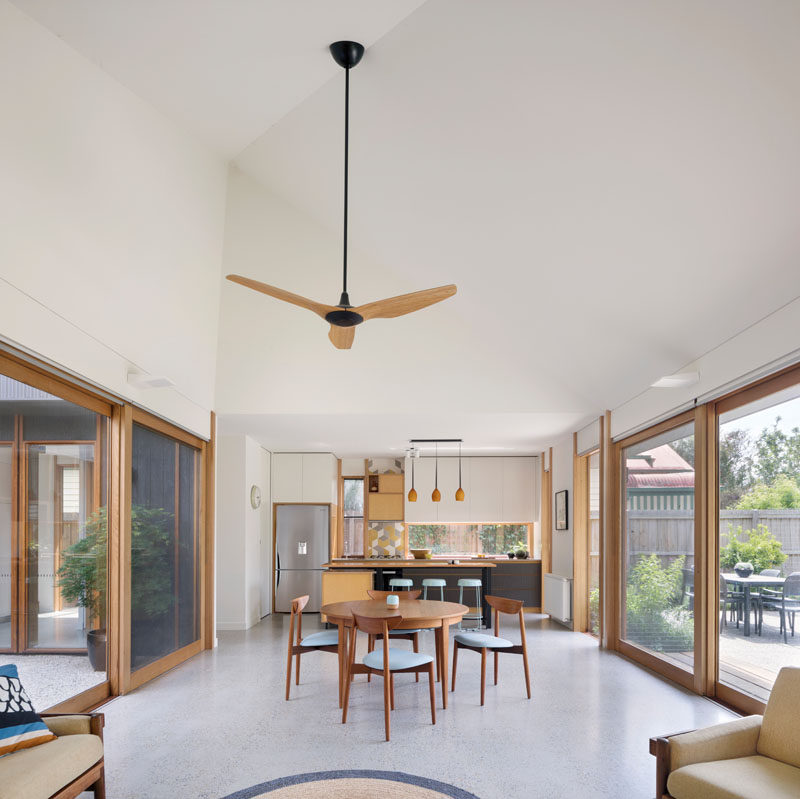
pixel 614 187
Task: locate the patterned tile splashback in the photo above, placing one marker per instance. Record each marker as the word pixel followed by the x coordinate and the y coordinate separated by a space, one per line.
pixel 385 539
pixel 386 466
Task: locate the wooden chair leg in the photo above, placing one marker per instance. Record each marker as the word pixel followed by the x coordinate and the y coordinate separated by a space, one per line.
pixel 99 787
pixel 496 658
pixel 455 664
pixel 391 690
pixel 433 693
pixel 370 647
pixel 289 671
pixel 415 643
pixel 483 674
pixel 346 701
pixel 297 670
pixel 527 673
pixel 386 691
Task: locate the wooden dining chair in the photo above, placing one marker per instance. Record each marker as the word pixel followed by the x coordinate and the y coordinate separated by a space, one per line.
pixel 385 662
pixel 324 641
pixel 409 635
pixel 480 642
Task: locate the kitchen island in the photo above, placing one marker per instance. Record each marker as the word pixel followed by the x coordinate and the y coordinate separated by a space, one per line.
pixel 515 579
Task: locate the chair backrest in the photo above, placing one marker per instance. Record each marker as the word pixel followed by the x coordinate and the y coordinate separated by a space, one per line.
pixel 376 626
pixel 688 579
pixel 513 607
pixel 791 588
pixel 297 612
pixel 780 728
pixel 383 594
pixel 770 572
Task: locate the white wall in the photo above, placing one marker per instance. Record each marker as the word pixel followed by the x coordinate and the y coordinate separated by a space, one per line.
pixel 562 479
pixel 762 348
pixel 113 225
pixel 241 529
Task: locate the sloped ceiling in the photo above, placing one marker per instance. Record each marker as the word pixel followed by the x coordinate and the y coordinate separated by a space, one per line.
pixel 613 186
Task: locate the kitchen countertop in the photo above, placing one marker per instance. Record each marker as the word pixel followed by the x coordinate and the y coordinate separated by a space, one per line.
pixel 388 563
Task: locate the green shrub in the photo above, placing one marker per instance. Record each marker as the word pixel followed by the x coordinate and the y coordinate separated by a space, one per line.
pixel 594 611
pixel 784 492
pixel 655 617
pixel 761 549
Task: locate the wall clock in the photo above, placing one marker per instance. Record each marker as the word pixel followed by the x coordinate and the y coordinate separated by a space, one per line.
pixel 255 497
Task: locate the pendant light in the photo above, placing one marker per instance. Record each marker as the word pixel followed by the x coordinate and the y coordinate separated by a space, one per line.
pixel 460 492
pixel 436 496
pixel 412 495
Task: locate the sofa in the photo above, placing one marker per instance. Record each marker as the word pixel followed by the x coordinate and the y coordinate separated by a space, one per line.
pixel 754 756
pixel 59 769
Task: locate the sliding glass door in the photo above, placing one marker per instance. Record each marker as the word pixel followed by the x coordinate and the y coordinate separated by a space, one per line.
pixel 658 549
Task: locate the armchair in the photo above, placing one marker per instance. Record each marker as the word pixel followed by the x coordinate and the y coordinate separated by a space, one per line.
pixel 751 756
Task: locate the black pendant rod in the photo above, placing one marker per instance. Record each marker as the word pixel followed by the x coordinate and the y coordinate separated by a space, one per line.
pixel 346 175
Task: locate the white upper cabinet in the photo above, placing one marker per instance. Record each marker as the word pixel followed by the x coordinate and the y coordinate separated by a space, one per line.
pixel 287 477
pixel 449 509
pixel 304 477
pixel 319 478
pixel 424 509
pixel 519 489
pixel 486 489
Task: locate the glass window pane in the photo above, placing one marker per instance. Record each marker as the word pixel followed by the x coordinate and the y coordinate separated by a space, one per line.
pixel 594 543
pixel 165 541
pixel 658 557
pixel 353 532
pixel 469 539
pixel 354 497
pixel 6 506
pixel 759 529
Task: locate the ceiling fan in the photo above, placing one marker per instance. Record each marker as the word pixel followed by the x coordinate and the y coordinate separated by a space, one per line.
pixel 344 317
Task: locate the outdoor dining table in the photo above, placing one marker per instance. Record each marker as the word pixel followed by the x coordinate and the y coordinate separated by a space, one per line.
pixel 757 580
pixel 416 613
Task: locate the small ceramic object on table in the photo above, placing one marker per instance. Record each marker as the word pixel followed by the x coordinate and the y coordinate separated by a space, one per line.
pixel 393 600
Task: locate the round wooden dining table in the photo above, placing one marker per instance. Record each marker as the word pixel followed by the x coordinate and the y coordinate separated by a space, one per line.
pixel 416 613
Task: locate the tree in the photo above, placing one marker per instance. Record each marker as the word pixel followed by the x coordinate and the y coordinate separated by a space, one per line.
pixel 685 448
pixel 777 453
pixel 783 493
pixel 735 466
pixel 761 549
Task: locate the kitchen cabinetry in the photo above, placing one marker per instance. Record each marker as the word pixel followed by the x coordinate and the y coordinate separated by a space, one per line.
pixel 345 586
pixel 304 477
pixel 496 489
pixel 385 507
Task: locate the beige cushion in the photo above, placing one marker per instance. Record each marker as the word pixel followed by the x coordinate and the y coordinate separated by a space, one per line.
pixel 69 725
pixel 780 732
pixel 742 778
pixel 39 772
pixel 732 739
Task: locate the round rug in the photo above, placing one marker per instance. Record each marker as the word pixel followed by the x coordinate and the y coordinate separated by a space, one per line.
pixel 353 784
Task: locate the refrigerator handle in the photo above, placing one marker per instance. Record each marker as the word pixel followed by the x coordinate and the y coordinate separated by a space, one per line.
pixel 278 581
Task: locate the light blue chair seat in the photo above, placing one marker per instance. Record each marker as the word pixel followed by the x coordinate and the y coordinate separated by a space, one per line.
pixel 403 632
pixel 398 659
pixel 325 638
pixel 482 641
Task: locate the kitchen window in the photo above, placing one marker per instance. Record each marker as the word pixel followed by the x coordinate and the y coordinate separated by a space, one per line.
pixel 462 540
pixel 353 527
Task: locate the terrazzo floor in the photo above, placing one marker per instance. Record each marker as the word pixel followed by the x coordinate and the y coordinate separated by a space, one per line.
pixel 219 723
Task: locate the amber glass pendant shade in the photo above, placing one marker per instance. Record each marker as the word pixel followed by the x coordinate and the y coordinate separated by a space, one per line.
pixel 460 494
pixel 412 495
pixel 436 496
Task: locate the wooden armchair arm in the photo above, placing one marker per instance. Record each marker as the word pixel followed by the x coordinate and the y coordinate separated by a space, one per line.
pixel 68 723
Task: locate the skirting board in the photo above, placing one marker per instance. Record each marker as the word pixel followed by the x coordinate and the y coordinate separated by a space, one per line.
pixel 230 626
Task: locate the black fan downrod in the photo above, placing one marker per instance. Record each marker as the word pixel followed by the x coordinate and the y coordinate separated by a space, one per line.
pixel 347 55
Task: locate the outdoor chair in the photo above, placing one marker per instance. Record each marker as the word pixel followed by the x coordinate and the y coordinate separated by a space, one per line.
pixel 756 595
pixel 480 642
pixel 730 601
pixel 687 592
pixel 325 641
pixel 786 601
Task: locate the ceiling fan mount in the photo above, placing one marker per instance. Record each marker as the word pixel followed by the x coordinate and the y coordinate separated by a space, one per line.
pixel 343 317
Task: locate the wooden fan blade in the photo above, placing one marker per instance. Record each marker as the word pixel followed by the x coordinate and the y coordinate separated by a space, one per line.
pixel 279 294
pixel 405 303
pixel 342 337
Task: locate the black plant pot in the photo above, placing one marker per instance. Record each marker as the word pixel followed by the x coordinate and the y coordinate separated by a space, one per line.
pixel 96 648
pixel 522 555
pixel 743 569
pixel 511 555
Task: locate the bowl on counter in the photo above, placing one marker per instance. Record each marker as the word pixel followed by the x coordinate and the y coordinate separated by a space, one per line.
pixel 420 554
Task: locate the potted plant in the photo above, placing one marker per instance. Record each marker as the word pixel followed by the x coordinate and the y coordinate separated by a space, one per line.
pixel 83 574
pixel 82 579
pixel 522 552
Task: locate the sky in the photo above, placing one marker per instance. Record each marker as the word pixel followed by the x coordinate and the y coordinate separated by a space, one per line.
pixel 756 422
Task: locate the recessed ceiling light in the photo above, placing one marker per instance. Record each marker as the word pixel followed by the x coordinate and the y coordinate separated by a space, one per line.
pixel 678 380
pixel 139 380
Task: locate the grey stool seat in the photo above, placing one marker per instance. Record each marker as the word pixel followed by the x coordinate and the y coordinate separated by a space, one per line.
pixel 433 582
pixel 470 582
pixel 401 582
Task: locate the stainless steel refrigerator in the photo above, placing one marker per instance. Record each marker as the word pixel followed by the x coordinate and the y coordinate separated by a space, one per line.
pixel 302 545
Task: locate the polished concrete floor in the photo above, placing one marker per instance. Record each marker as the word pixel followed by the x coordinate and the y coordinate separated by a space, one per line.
pixel 219 723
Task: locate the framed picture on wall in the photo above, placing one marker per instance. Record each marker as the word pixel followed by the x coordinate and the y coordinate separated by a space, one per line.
pixel 562 514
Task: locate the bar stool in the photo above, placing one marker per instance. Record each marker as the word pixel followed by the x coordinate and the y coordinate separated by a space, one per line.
pixel 468 582
pixel 401 583
pixel 433 582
